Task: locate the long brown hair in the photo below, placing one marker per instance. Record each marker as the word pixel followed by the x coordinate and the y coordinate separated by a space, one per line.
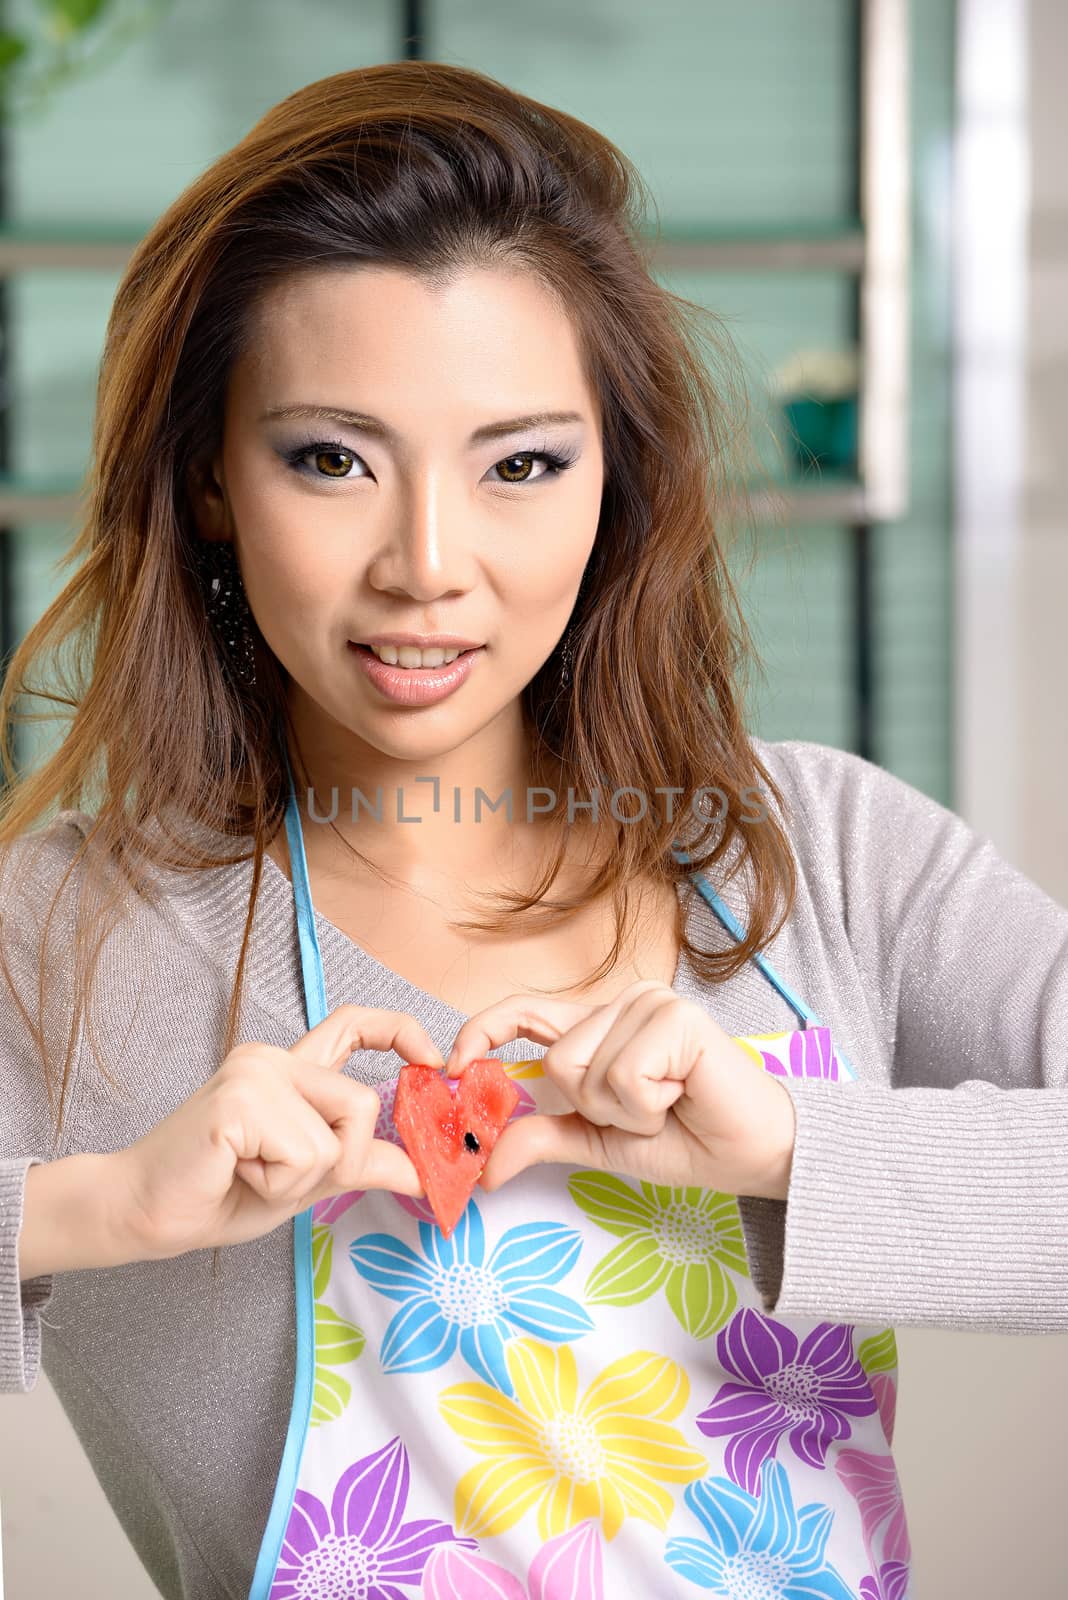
pixel 433 168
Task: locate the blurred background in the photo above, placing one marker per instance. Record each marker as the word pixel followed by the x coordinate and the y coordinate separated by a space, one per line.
pixel 873 195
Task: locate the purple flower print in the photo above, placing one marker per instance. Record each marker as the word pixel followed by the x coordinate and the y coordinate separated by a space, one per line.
pixel 811 1056
pixel 891 1584
pixel 362 1546
pixel 806 1392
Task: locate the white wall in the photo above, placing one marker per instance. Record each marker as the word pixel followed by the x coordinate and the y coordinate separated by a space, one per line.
pixel 981 1419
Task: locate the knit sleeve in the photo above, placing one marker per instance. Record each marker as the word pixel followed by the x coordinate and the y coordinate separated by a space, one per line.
pixel 21 1304
pixel 27 1125
pixel 940 1199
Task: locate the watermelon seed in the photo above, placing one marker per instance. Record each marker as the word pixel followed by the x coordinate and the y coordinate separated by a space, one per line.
pixel 471 1142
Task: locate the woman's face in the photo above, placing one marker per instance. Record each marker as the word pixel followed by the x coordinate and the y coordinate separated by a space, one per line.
pixel 410 521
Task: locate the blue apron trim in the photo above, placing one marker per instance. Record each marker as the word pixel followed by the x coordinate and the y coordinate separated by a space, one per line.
pixel 311 963
pixel 315 1003
pixel 730 922
pixel 804 1013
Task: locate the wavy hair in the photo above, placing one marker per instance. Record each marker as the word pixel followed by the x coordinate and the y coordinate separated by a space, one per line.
pixel 431 168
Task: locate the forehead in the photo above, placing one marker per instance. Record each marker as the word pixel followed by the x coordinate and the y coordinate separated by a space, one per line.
pixel 489 339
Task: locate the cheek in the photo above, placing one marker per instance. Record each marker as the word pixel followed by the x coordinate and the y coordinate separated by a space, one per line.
pixel 551 558
pixel 550 581
pixel 285 558
pixel 293 596
pixel 292 568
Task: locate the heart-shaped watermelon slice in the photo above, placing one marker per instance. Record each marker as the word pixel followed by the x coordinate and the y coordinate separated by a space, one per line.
pixel 449 1126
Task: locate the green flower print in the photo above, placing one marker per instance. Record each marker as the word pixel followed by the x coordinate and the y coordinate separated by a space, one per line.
pixel 337 1343
pixel 685 1241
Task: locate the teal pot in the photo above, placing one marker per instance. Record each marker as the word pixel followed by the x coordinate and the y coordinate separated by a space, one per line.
pixel 823 433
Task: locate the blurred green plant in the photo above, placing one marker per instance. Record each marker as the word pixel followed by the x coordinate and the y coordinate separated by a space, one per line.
pixel 64 40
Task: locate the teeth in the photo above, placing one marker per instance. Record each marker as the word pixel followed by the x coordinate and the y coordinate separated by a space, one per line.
pixel 408 656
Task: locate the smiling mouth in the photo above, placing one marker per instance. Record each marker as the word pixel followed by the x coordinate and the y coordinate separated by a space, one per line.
pixel 398 666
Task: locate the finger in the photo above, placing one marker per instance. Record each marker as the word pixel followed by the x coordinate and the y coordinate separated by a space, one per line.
pixel 317 1125
pixel 381 1170
pixel 584 1063
pixel 352 1027
pixel 605 1077
pixel 540 1018
pixel 643 1075
pixel 537 1139
pixel 347 1106
pixel 351 1110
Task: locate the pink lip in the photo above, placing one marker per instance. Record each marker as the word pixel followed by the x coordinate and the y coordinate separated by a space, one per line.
pixel 416 686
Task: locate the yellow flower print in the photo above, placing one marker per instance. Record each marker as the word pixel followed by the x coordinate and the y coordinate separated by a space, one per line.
pixel 604 1455
pixel 751 1049
pixel 524 1069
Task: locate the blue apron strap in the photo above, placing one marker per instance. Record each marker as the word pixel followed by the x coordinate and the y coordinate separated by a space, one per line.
pixel 723 911
pixel 310 955
pixel 304 1374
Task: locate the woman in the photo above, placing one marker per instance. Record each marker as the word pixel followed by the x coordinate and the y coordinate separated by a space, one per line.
pixel 657 1352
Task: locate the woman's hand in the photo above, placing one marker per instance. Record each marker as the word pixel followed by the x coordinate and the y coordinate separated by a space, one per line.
pixel 660 1093
pixel 269 1134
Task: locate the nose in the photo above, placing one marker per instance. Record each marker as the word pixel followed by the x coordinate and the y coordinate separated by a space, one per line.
pixel 428 549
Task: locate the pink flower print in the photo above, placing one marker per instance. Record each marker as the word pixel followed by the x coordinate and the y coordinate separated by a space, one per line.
pixel 467 1576
pixel 873 1482
pixel 884 1389
pixel 568 1567
pixel 330 1209
pixel 891 1584
pixel 335 1205
pixel 807 1392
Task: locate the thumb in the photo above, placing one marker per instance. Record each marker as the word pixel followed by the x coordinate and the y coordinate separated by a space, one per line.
pixel 389 1167
pixel 534 1139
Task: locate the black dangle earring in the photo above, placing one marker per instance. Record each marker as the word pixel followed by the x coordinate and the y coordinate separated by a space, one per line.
pixel 565 660
pixel 226 605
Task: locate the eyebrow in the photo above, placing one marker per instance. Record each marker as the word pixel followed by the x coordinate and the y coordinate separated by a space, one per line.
pixel 381 430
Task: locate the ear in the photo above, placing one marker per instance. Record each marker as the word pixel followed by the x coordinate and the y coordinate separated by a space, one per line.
pixel 207 498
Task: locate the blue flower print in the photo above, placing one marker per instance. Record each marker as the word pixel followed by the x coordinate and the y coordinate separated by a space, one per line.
pixel 451 1295
pixel 757 1543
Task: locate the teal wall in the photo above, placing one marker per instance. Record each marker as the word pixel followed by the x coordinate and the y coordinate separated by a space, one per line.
pixel 737 115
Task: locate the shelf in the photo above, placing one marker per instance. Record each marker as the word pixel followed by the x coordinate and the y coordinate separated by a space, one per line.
pixel 833 501
pixel 833 247
pixel 25 498
pixel 830 247
pixel 26 246
pixel 28 499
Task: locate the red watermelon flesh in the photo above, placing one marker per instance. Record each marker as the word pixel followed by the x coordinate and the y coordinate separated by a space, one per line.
pixel 449 1126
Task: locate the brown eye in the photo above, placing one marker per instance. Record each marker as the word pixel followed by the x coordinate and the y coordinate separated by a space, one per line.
pixel 337 455
pixel 526 461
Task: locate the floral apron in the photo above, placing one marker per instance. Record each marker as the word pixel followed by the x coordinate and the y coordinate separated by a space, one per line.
pixel 577 1396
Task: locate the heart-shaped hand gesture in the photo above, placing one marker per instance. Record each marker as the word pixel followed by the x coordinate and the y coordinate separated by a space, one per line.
pixel 660 1092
